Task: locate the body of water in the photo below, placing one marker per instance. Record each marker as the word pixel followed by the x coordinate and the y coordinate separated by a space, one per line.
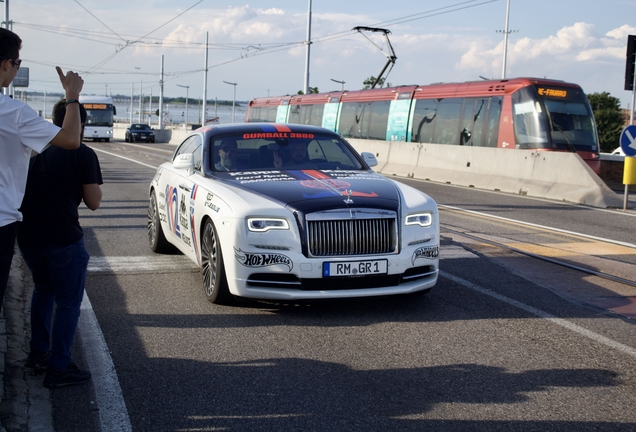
pixel 175 113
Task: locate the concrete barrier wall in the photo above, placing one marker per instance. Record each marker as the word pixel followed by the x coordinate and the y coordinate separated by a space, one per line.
pixel 555 175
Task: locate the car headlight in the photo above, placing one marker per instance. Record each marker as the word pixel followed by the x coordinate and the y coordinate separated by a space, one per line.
pixel 266 224
pixel 421 219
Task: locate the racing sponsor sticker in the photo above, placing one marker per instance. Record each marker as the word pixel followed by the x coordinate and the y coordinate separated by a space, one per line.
pixel 193 233
pixel 172 198
pixel 428 252
pixel 254 260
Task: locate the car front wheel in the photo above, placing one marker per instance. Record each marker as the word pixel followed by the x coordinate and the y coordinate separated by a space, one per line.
pixel 212 268
pixel 156 238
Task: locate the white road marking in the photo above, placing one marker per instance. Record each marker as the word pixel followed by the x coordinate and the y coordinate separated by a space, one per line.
pixel 125 158
pixel 541 314
pixel 630 245
pixel 140 264
pixel 113 415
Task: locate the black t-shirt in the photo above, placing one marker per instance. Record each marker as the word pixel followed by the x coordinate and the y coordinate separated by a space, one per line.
pixel 53 194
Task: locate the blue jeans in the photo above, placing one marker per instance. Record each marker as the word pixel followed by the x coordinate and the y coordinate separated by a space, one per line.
pixel 59 275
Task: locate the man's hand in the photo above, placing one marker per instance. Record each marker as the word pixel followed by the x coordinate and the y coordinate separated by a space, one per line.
pixel 71 82
pixel 278 162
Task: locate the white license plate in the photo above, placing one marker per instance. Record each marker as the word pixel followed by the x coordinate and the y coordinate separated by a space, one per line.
pixel 354 268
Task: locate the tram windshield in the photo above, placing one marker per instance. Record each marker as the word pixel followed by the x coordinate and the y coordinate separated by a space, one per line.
pixel 553 117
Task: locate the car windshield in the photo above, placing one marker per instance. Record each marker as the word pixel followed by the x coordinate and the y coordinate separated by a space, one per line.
pixel 139 127
pixel 250 152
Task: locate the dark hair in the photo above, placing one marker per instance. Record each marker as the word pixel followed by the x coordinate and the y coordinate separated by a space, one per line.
pixel 59 111
pixel 10 44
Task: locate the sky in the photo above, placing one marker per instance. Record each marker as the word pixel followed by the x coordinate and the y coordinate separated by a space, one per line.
pixel 117 46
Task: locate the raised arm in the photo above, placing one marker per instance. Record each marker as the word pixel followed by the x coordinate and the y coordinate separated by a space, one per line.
pixel 69 136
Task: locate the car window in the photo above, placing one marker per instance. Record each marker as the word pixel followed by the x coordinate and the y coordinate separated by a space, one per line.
pixel 258 152
pixel 191 145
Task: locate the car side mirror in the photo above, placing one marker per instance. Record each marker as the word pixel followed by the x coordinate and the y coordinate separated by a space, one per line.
pixel 369 158
pixel 184 161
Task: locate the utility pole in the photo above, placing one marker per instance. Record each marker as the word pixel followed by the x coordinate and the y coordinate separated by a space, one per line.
pixel 132 96
pixel 308 43
pixel 205 82
pixel 161 96
pixel 506 32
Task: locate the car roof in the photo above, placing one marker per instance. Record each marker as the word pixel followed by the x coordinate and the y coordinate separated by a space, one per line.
pixel 230 128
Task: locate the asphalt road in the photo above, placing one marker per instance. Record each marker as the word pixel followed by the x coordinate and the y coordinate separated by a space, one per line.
pixel 503 342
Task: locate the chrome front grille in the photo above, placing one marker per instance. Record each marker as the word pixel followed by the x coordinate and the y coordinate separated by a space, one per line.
pixel 351 232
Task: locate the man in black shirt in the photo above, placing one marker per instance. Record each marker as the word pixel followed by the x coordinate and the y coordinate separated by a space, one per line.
pixel 51 241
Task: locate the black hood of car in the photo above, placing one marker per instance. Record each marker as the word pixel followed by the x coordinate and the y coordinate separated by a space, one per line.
pixel 314 190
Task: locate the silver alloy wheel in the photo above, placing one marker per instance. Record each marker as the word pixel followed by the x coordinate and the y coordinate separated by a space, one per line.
pixel 212 268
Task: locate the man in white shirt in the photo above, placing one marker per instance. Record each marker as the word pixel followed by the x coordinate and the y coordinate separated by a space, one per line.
pixel 21 131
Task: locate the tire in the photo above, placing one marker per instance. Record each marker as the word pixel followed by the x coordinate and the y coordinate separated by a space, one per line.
pixel 107 139
pixel 212 268
pixel 156 238
pixel 152 140
pixel 126 138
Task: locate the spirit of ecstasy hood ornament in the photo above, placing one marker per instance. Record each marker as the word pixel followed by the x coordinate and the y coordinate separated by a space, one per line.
pixel 348 200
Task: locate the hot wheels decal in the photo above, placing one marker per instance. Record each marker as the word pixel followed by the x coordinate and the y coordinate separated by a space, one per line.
pixel 262 259
pixel 428 252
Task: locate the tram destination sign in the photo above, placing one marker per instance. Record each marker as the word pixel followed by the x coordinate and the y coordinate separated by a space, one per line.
pixel 628 140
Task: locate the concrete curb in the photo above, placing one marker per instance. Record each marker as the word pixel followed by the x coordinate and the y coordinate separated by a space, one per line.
pixel 30 402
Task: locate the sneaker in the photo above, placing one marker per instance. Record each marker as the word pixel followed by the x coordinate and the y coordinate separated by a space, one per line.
pixel 38 361
pixel 71 376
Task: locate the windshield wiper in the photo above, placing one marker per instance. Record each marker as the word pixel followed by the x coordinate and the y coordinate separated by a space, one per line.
pixel 560 129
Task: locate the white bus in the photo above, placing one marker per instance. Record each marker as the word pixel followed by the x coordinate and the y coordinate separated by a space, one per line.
pixel 99 122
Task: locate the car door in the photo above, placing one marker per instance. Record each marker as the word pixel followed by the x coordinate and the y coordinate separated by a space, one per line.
pixel 178 186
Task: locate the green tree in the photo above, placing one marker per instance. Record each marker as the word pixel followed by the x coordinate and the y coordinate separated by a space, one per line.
pixel 367 83
pixel 609 119
pixel 311 90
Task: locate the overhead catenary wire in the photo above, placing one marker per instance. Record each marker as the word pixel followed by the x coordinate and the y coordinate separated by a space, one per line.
pixel 247 50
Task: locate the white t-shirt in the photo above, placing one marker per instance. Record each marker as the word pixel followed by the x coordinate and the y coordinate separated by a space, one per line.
pixel 21 130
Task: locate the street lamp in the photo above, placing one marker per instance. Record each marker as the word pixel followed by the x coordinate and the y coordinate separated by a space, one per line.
pixel 339 82
pixel 234 99
pixel 187 90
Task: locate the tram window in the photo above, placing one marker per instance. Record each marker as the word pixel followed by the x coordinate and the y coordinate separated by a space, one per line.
pixel 479 119
pixel 294 114
pixel 529 120
pixel 348 120
pixel 491 134
pixel 270 114
pixel 447 124
pixel 424 120
pixel 378 118
pixel 305 114
pixel 571 124
pixel 315 118
pixel 255 113
pixel 466 126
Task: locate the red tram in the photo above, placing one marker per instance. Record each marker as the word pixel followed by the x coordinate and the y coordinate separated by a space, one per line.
pixel 517 113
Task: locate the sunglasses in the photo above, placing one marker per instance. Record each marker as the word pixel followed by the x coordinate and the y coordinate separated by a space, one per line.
pixel 17 62
pixel 228 149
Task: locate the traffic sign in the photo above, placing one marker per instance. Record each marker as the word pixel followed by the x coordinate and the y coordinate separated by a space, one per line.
pixel 628 140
